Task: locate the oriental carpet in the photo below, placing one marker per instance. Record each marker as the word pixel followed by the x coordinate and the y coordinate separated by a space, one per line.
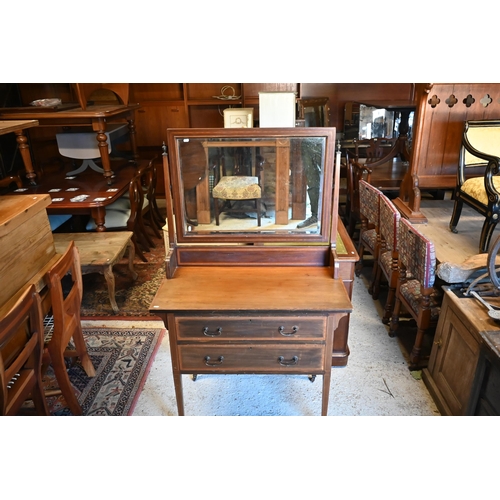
pixel 132 297
pixel 122 359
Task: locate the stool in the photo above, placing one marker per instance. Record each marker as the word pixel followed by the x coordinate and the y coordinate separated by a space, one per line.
pixel 99 252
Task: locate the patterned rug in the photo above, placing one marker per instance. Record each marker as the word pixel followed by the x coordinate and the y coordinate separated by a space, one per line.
pixel 122 359
pixel 133 297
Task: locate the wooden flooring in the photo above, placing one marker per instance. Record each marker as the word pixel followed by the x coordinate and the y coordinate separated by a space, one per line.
pixel 452 247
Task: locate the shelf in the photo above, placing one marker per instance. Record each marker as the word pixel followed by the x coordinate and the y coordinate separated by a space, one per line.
pixel 213 102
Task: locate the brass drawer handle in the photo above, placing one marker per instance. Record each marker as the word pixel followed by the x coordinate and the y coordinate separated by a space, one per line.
pixel 281 329
pixel 293 361
pixel 214 363
pixel 212 334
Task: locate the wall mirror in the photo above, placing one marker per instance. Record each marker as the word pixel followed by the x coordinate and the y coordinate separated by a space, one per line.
pixel 365 121
pixel 251 186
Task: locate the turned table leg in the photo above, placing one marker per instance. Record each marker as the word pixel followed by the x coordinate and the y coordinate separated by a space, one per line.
pixel 24 149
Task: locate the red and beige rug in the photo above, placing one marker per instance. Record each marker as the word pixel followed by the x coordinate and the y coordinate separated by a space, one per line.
pixel 122 359
pixel 132 297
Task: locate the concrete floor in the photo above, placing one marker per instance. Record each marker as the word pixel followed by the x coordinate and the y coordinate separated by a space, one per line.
pixel 375 382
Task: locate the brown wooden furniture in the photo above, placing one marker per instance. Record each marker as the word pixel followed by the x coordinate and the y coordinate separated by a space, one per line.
pixel 18 127
pixel 487 380
pixel 21 372
pixel 369 236
pixel 26 246
pixel 442 110
pixel 415 290
pixel 388 255
pixel 99 252
pixel 240 186
pixel 67 324
pixel 98 117
pixel 85 194
pixel 454 373
pixel 252 299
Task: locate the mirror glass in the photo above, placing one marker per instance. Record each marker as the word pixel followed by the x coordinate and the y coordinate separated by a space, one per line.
pixel 244 184
pixel 364 121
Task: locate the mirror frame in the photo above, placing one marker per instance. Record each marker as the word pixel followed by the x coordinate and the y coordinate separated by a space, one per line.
pixel 173 184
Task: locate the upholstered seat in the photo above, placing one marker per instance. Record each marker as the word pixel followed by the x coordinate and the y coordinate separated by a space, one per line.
pixel 369 239
pixel 236 188
pixel 478 180
pixel 388 254
pixel 417 294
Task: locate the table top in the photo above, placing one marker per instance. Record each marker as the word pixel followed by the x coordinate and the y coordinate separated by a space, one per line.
pixel 7 126
pixel 89 189
pixel 252 289
pixel 94 111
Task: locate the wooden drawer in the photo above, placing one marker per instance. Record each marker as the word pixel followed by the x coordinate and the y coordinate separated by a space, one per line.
pixel 256 358
pixel 250 328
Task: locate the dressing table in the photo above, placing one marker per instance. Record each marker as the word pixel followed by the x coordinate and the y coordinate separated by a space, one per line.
pixel 242 298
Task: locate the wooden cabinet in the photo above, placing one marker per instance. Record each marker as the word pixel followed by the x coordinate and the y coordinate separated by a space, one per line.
pixel 453 364
pixel 238 297
pixel 487 384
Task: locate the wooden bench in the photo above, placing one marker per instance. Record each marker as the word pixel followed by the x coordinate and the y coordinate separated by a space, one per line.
pixel 99 252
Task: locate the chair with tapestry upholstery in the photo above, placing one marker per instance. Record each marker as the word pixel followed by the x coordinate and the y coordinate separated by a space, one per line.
pixel 369 240
pixel 233 190
pixel 387 255
pixel 478 179
pixel 66 290
pixel 21 348
pixel 415 290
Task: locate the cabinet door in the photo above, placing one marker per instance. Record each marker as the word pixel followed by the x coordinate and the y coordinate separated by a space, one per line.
pixel 453 360
pixel 153 119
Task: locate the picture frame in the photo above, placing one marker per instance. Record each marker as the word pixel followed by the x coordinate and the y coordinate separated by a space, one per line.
pixel 238 118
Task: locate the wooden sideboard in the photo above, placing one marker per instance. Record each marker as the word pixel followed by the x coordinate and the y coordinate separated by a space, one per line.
pixel 268 299
pixel 455 372
pixel 271 320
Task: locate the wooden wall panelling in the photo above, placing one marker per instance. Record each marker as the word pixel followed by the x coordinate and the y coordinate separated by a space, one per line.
pixel 380 94
pixel 441 113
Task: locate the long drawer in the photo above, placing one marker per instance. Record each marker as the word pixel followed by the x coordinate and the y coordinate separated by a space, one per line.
pixel 255 358
pixel 250 328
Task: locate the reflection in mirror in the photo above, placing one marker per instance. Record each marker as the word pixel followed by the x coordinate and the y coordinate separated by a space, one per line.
pixel 363 121
pixel 252 185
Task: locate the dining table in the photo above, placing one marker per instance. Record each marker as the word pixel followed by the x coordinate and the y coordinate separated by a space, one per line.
pixel 87 193
pixel 18 127
pixel 96 116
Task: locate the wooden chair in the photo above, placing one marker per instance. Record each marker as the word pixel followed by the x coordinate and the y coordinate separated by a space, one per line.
pixel 21 348
pixel 415 290
pixel 240 185
pixel 126 214
pixel 376 152
pixel 388 254
pixel 66 288
pixel 478 179
pixel 369 239
pixel 11 180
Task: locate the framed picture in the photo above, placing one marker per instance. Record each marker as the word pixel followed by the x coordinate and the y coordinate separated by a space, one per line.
pixel 238 118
